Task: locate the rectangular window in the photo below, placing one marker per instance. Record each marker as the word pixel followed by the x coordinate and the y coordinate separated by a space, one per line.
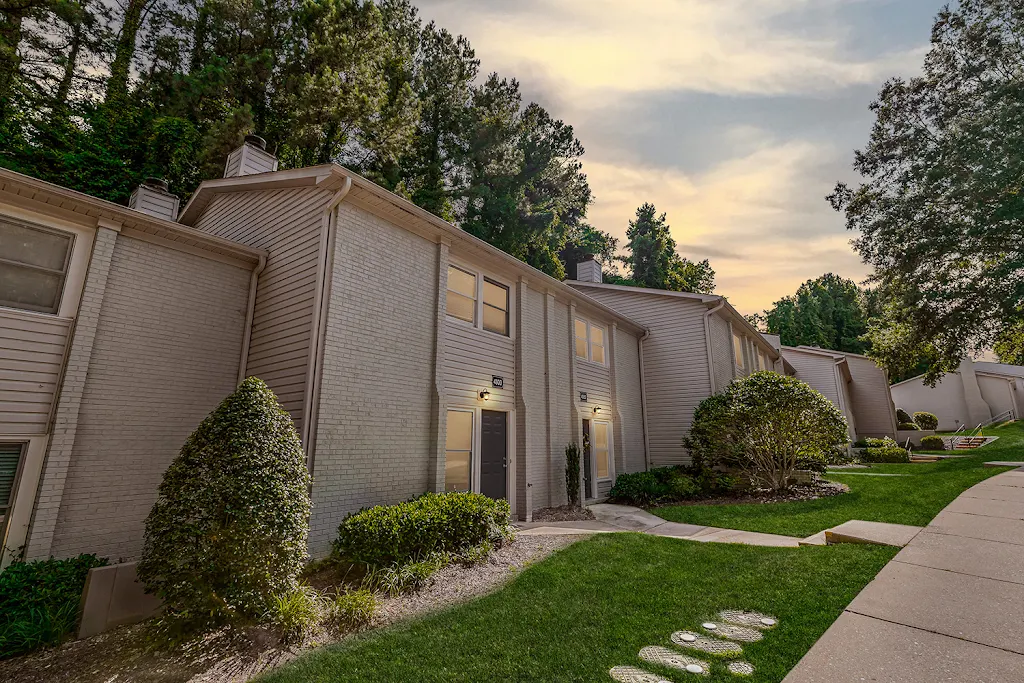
pixel 590 341
pixel 602 449
pixel 458 450
pixel 33 265
pixel 495 307
pixel 737 344
pixel 461 300
pixel 10 459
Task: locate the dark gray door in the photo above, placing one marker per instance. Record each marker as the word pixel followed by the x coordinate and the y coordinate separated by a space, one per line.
pixel 493 453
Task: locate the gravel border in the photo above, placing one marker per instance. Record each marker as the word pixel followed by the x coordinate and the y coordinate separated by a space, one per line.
pixel 124 655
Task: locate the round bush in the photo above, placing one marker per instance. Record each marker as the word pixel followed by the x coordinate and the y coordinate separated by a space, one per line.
pixel 933 443
pixel 228 532
pixel 908 427
pixel 926 420
pixel 659 485
pixel 902 416
pixel 767 425
pixel 434 522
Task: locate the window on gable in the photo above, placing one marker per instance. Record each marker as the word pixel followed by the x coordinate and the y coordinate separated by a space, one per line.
pixel 33 266
pixel 590 341
pixel 495 307
pixel 737 345
pixel 461 300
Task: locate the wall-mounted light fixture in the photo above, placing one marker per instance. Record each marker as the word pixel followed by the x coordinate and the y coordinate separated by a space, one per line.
pixel 484 395
pixel 597 409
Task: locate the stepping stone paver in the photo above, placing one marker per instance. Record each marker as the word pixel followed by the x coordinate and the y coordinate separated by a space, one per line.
pixel 877 533
pixel 733 632
pixel 741 668
pixel 631 674
pixel 701 643
pixel 655 654
pixel 752 619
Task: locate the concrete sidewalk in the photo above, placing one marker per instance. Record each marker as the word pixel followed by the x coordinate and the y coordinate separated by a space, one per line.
pixel 616 518
pixel 949 607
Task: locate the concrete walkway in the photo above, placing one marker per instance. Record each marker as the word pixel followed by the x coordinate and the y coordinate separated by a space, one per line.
pixel 948 608
pixel 616 518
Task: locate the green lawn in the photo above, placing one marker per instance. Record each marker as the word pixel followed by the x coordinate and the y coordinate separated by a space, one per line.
pixel 913 499
pixel 595 604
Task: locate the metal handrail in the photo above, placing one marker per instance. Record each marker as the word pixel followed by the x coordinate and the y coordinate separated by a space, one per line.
pixel 1001 417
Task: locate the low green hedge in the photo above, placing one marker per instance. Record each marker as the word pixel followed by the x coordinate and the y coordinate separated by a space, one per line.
pixel 666 485
pixel 39 602
pixel 927 421
pixel 435 522
pixel 933 443
pixel 881 454
pixel 909 426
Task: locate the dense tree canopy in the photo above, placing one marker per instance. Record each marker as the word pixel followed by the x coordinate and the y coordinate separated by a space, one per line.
pixel 97 96
pixel 828 312
pixel 940 211
pixel 653 261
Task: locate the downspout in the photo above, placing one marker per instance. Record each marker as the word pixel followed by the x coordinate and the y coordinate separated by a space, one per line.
pixel 707 340
pixel 249 314
pixel 327 240
pixel 643 399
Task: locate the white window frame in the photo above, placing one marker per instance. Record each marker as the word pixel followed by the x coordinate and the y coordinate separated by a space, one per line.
pixel 473 444
pixel 477 445
pixel 611 449
pixel 590 343
pixel 65 273
pixel 478 300
pixel 738 355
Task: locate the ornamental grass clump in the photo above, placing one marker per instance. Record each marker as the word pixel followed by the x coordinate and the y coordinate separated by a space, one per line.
pixel 227 535
pixel 767 426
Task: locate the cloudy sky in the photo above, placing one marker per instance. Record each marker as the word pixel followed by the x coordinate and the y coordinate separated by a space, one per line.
pixel 735 117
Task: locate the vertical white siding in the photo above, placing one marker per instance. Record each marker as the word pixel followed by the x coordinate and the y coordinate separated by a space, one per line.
pixel 32 350
pixel 287 223
pixel 872 403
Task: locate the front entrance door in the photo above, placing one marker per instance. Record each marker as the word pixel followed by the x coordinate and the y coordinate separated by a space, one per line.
pixel 588 469
pixel 493 453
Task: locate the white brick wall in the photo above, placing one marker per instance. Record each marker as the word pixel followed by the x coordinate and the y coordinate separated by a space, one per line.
pixel 166 352
pixel 373 442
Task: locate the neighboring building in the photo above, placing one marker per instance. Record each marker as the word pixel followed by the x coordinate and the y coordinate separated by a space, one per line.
pixel 975 394
pixel 697 345
pixel 858 387
pixel 411 355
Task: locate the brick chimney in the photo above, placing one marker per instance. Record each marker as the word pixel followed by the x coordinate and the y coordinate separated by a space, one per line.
pixel 153 198
pixel 252 157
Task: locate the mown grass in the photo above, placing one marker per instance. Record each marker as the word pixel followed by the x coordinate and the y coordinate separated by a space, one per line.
pixel 593 606
pixel 912 499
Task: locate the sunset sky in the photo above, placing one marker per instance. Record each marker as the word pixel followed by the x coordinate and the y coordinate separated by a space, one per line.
pixel 735 117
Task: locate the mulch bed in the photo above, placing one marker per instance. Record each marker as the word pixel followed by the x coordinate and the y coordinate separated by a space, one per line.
pixel 820 489
pixel 562 513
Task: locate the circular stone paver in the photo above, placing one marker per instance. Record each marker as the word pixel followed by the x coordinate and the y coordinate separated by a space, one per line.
pixel 711 646
pixel 743 634
pixel 631 674
pixel 741 668
pixel 751 619
pixel 655 654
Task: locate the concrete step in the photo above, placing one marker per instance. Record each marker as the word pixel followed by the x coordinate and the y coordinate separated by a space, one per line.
pixel 877 533
pixel 816 539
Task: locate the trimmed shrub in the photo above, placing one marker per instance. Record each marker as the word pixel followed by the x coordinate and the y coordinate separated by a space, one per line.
pixel 666 485
pixel 933 443
pixel 572 474
pixel 908 426
pixel 766 425
pixel 39 602
pixel 903 416
pixel 228 531
pixel 927 421
pixel 386 535
pixel 882 454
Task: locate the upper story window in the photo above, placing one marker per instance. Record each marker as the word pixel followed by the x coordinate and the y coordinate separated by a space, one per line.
pixel 478 300
pixel 590 341
pixel 33 266
pixel 737 347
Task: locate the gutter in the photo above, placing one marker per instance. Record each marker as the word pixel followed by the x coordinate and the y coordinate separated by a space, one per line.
pixel 254 280
pixel 707 341
pixel 316 351
pixel 643 399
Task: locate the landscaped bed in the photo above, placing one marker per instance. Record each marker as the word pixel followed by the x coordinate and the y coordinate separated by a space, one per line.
pixel 597 603
pixel 914 498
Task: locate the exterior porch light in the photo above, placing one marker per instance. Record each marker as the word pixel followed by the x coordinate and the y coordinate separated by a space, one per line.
pixel 597 409
pixel 484 395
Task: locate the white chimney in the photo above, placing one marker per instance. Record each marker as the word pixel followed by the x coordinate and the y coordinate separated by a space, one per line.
pixel 152 197
pixel 252 157
pixel 588 271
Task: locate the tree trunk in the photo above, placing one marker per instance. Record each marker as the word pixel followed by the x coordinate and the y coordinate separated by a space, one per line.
pixel 124 52
pixel 60 100
pixel 10 38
